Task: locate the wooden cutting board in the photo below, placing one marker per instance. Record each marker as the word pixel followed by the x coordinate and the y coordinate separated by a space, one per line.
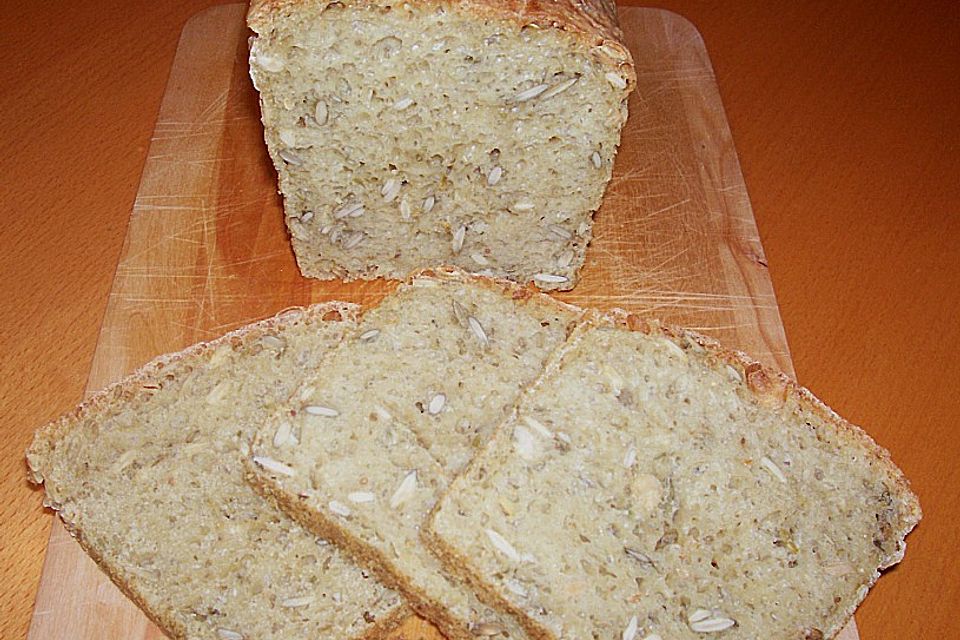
pixel 206 249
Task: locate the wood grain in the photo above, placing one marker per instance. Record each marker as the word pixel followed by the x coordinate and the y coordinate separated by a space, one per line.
pixel 845 119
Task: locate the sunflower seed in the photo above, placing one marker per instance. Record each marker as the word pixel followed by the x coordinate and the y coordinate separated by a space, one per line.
pixel 501 545
pixel 596 160
pixel 565 258
pixel 458 237
pixel 307 216
pixel 549 278
pixel 282 436
pixel 459 312
pixel 339 508
pixel 486 630
pixel 219 393
pixel 301 601
pixel 228 634
pixel 288 137
pixel 838 569
pixel 477 330
pixel 559 231
pixel 526 445
pixel 273 342
pixel 772 467
pixel 317 410
pixel 558 88
pixel 674 348
pixel 405 211
pixel 428 203
pixel 630 458
pixel 616 80
pixel 704 621
pixel 537 426
pixel 515 587
pixel 354 240
pixel 405 490
pixel 270 63
pixel 320 113
pixel 361 497
pixel 734 374
pixel 494 176
pixel 699 614
pixel 290 157
pixel 354 209
pixel 532 92
pixel 523 206
pixel 436 404
pixel 369 336
pixel 610 52
pixel 273 466
pixel 479 259
pixel 402 104
pixel 631 631
pixel 391 189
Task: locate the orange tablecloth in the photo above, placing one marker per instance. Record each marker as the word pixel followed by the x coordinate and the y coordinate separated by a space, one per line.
pixel 847 121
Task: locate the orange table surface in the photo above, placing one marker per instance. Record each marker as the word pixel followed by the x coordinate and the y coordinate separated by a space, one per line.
pixel 846 117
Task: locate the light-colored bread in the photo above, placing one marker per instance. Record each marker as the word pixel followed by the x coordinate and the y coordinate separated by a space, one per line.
pixel 148 476
pixel 652 485
pixel 407 135
pixel 374 437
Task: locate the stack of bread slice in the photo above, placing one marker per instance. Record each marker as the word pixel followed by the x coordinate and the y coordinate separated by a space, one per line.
pixel 509 465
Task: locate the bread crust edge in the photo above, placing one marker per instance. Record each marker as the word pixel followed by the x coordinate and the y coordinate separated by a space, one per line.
pixel 768 386
pixel 130 388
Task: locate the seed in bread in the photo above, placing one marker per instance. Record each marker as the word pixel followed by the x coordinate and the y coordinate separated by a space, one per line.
pixel 414 134
pixel 446 365
pixel 148 476
pixel 695 494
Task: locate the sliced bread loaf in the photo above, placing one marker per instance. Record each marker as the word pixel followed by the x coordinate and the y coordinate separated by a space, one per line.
pixel 376 434
pixel 148 476
pixel 414 134
pixel 653 485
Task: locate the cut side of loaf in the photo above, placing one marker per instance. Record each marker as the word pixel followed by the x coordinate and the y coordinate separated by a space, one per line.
pixel 407 135
pixel 148 476
pixel 653 485
pixel 394 413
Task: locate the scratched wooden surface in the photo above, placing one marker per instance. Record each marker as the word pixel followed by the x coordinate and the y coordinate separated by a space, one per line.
pixel 206 249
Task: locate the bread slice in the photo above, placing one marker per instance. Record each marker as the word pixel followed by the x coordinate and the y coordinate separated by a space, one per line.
pixel 148 476
pixel 394 413
pixel 653 485
pixel 407 135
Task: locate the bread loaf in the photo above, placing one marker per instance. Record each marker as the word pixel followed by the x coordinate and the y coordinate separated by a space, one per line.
pixel 148 476
pixel 652 485
pixel 375 435
pixel 407 135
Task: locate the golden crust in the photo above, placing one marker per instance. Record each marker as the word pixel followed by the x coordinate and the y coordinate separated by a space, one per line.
pixel 594 23
pixel 135 386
